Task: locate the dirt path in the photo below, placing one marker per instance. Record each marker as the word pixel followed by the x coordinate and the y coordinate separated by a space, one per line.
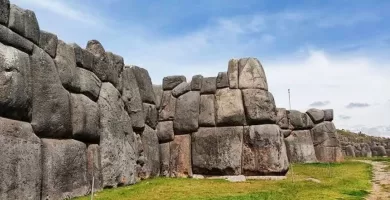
pixel 381 181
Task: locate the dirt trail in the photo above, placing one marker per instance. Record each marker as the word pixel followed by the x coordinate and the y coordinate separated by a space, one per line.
pixel 381 181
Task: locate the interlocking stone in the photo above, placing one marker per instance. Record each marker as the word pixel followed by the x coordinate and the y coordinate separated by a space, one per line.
pixel 251 74
pixel 328 115
pixel 150 115
pixel 165 131
pixel 8 37
pixel 89 83
pixel 180 157
pixel 209 85
pixel 48 42
pixel 171 82
pixel 84 58
pixel 145 85
pixel 326 143
pixel 165 156
pixel 4 12
pixel 233 73
pixel 207 110
pixel 259 106
pixel 158 91
pixel 187 113
pixel 94 167
pixel 31 26
pixel 152 153
pixel 66 66
pixel 300 148
pixel 282 118
pixel 167 107
pixel 181 89
pixel 100 60
pixel 222 80
pixel 196 82
pixel 316 115
pixel 229 107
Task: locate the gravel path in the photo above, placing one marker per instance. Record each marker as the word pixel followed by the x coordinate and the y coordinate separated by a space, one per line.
pixel 381 181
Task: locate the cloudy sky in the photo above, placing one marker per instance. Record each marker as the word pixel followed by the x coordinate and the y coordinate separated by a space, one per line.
pixel 331 55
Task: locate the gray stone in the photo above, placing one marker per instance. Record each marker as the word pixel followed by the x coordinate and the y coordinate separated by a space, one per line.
pixel 233 73
pixel 66 66
pixel 165 155
pixel 15 81
pixel 89 83
pixel 17 20
pixel 85 119
pixel 328 115
pixel 48 42
pixel 300 121
pixel 100 60
pixel 259 106
pixel 165 131
pixel 8 37
pixel 264 151
pixel 94 167
pixel 132 98
pixel 117 140
pixel 181 89
pixel 115 65
pixel 31 26
pixel 217 151
pixel 84 58
pixel 64 169
pixel 4 12
pixel 196 82
pixel 180 157
pixel 171 82
pixel 350 151
pixel 150 115
pixel 167 107
pixel 300 148
pixel 151 149
pixel 285 132
pixel 158 92
pixel 222 80
pixel 187 113
pixel 282 118
pixel 207 110
pixel 20 166
pixel 316 115
pixel 209 85
pixel 379 151
pixel 326 143
pixel 50 101
pixel 145 85
pixel 251 74
pixel 229 107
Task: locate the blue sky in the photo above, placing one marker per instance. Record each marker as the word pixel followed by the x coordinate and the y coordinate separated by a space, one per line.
pixel 331 54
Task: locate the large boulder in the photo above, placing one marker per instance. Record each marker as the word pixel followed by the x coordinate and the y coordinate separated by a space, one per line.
pixel 300 148
pixel 222 80
pixel 217 150
pixel 50 101
pixel 326 143
pixel 282 118
pixel 181 89
pixel 167 107
pixel 229 107
pixel 251 74
pixel 31 27
pixel 209 85
pixel 207 110
pixel 11 38
pixel 94 167
pixel 4 11
pixel 171 82
pixel 165 156
pixel 158 92
pixel 48 42
pixel 20 166
pixel 115 64
pixel 259 106
pixel 150 115
pixel 66 66
pixel 117 140
pixel 180 157
pixel 84 58
pixel 132 98
pixel 299 121
pixel 17 20
pixel 328 115
pixel 196 82
pixel 187 113
pixel 89 83
pixel 85 119
pixel 15 81
pixel 264 151
pixel 165 131
pixel 100 60
pixel 145 85
pixel 233 73
pixel 316 115
pixel 151 149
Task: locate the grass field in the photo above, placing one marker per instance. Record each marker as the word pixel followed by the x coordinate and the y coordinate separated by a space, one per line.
pixel 348 180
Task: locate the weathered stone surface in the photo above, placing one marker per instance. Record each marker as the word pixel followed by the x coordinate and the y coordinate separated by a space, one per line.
pixel 117 140
pixel 151 149
pixel 158 92
pixel 233 73
pixel 300 121
pixel 94 167
pixel 316 115
pixel 115 65
pixel 326 143
pixel 50 101
pixel 165 155
pixel 132 98
pixel 300 148
pixel 8 37
pixel 350 151
pixel 48 42
pixel 167 107
pixel 209 85
pixel 31 27
pixel 150 115
pixel 328 115
pixel 181 89
pixel 222 80
pixel 180 157
pixel 282 118
pixel 100 60
pixel 64 169
pixel 17 19
pixel 15 80
pixel 187 113
pixel 259 106
pixel 85 119
pixel 84 58
pixel 229 107
pixel 264 151
pixel 165 131
pixel 89 83
pixel 207 110
pixel 145 85
pixel 196 82
pixel 20 166
pixel 66 66
pixel 378 151
pixel 366 150
pixel 217 151
pixel 171 82
pixel 251 74
pixel 285 132
pixel 4 11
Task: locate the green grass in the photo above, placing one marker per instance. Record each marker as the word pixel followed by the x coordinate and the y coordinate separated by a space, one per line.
pixel 348 180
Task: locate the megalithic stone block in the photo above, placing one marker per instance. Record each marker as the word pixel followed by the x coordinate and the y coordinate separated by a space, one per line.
pixel 251 74
pixel 48 42
pixel 100 60
pixel 187 113
pixel 165 131
pixel 167 107
pixel 196 82
pixel 150 115
pixel 326 143
pixel 89 83
pixel 180 157
pixel 145 85
pixel 233 73
pixel 171 82
pixel 158 91
pixel 207 110
pixel 259 106
pixel 94 167
pixel 84 58
pixel 209 85
pixel 4 12
pixel 300 148
pixel 66 66
pixel 165 156
pixel 229 107
pixel 222 80
pixel 151 152
pixel 282 118
pixel 181 89
pixel 316 115
pixel 11 38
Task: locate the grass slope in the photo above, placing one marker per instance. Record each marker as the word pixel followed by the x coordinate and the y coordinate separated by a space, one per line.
pixel 349 180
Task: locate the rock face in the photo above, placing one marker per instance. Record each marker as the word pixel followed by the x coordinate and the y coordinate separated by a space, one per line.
pixel 217 151
pixel 64 169
pixel 31 26
pixel 66 66
pixel 300 121
pixel 207 110
pixel 100 60
pixel 165 132
pixel 187 113
pixel 8 37
pixel 4 11
pixel 84 58
pixel 222 80
pixel 251 74
pixel 150 115
pixel 300 148
pixel 326 143
pixel 209 85
pixel 48 42
pixel 180 157
pixel 259 106
pixel 196 82
pixel 158 93
pixel 264 151
pixel 152 153
pixel 20 166
pixel 15 81
pixel 16 20
pixel 229 107
pixel 89 83
pixel 145 85
pixel 116 64
pixel 171 82
pixel 233 73
pixel 167 107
